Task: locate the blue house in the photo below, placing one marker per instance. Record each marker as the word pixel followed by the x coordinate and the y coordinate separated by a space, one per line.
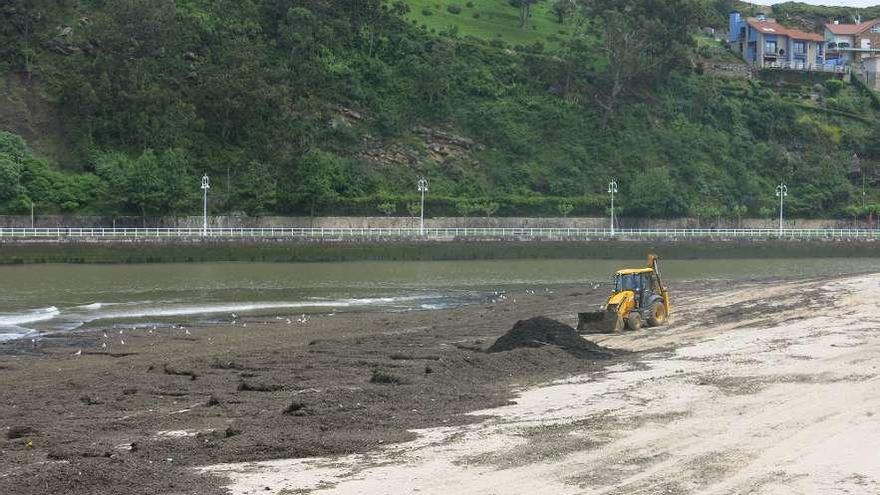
pixel 764 43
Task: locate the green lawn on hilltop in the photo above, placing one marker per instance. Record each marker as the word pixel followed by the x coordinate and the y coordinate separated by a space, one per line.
pixel 492 19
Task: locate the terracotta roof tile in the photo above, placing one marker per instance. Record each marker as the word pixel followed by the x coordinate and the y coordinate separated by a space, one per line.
pixel 851 29
pixel 771 27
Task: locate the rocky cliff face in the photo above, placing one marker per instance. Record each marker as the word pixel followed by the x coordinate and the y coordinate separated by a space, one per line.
pixel 25 110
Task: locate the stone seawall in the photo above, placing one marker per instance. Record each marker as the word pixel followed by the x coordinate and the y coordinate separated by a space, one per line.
pixel 166 250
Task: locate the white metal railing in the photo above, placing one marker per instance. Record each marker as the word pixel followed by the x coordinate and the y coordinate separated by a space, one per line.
pixel 806 67
pixel 431 233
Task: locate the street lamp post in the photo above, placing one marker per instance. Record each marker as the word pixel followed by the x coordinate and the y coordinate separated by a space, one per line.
pixel 206 184
pixel 423 188
pixel 781 193
pixel 612 189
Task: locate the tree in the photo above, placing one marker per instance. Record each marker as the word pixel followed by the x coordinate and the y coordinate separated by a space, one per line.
pixel 466 207
pixel 388 208
pixel 739 211
pixel 19 23
pixel 152 184
pixel 489 208
pixel 525 8
pixel 872 146
pixel 10 177
pixel 653 194
pixel 315 180
pixel 642 40
pixel 564 208
pixel 256 190
pixel 414 209
pixel 13 153
pixel 135 185
pixel 178 182
pixel 563 9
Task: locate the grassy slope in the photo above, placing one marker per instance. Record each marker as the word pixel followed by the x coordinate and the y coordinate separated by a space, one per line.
pixel 497 20
pixel 714 50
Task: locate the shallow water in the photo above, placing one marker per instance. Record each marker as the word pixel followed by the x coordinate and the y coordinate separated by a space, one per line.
pixel 48 298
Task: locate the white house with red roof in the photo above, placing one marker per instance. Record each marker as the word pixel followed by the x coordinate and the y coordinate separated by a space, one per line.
pixel 764 43
pixel 851 44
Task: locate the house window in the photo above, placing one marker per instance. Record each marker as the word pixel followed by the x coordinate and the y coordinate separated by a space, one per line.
pixel 876 28
pixel 770 47
pixel 800 49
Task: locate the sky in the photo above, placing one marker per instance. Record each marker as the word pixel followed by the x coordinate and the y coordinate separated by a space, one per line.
pixel 847 3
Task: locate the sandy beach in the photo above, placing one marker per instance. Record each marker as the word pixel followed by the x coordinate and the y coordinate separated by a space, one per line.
pixel 779 399
pixel 762 387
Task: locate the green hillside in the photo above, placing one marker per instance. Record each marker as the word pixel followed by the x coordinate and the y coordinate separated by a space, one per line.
pixel 814 17
pixel 319 107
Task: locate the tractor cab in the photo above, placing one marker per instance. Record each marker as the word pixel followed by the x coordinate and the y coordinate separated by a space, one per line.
pixel 641 282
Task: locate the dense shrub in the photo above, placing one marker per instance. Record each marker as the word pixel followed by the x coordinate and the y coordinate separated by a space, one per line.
pixel 834 86
pixel 453 9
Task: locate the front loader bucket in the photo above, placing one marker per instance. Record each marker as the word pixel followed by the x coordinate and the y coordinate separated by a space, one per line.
pixel 599 322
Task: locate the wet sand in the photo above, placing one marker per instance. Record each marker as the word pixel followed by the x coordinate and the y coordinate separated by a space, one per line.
pixel 139 415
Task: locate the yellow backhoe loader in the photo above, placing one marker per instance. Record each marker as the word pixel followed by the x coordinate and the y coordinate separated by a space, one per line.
pixel 638 299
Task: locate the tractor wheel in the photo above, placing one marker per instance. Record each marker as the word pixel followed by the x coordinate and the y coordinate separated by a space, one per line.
pixel 657 315
pixel 634 321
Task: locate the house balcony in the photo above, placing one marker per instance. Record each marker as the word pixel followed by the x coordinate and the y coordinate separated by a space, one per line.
pixel 803 66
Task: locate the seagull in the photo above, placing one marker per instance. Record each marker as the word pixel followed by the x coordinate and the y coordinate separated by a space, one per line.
pixel 288 321
pixel 104 345
pixel 187 331
pixel 244 325
pixel 105 335
pixel 78 353
pixel 120 331
pixel 234 316
pixel 121 341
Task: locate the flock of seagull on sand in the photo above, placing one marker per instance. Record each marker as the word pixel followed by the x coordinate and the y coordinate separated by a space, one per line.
pixel 302 320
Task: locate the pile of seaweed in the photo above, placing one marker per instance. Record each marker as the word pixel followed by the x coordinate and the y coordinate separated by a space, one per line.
pixel 541 331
